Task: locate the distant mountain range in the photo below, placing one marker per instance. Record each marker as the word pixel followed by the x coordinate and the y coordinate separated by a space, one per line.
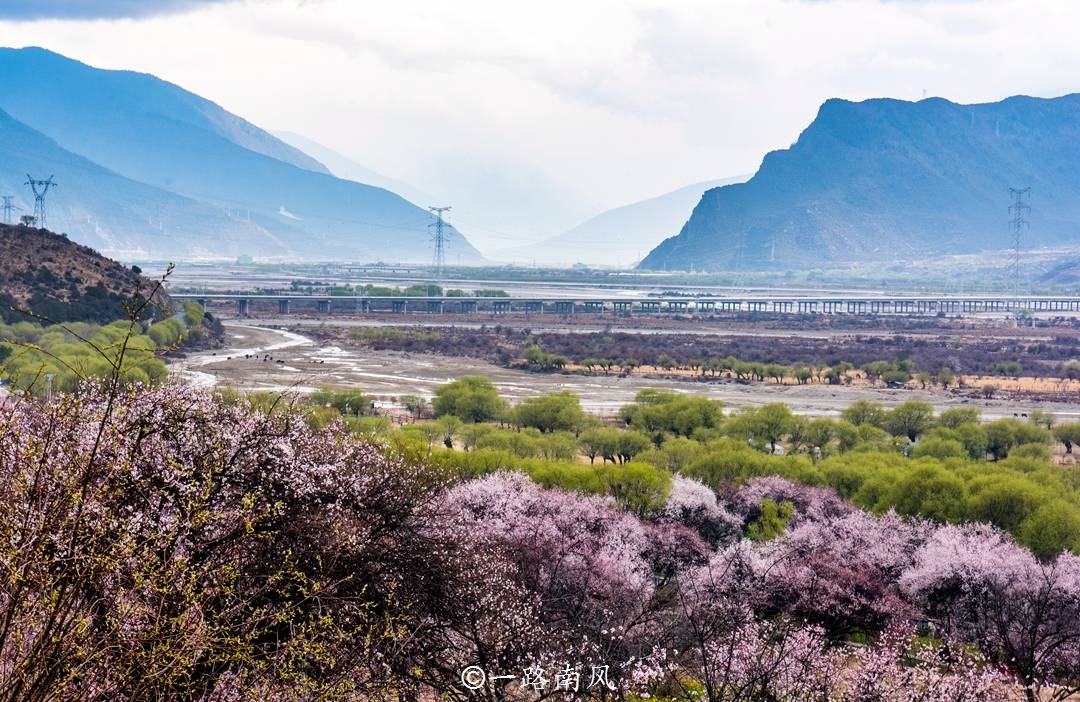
pixel 149 170
pixel 888 179
pixel 619 236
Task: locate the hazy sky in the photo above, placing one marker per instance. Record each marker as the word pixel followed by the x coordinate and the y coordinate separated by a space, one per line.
pixel 528 117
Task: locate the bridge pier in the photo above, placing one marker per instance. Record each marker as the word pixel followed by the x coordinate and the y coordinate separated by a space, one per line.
pixel 363 306
pixel 467 306
pixel 594 306
pixel 283 306
pixel 322 306
pixel 534 307
pixel 501 307
pixel 622 308
pixel 400 306
pixel 564 307
pixel 435 306
pixel 243 306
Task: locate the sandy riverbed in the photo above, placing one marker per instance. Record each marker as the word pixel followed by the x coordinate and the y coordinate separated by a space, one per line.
pixel 260 358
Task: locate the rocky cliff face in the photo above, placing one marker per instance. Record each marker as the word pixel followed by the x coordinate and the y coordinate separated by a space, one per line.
pixel 888 179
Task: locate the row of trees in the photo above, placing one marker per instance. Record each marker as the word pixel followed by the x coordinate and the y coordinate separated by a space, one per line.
pixel 884 372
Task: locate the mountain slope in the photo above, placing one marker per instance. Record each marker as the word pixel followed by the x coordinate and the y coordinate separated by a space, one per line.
pixel 623 234
pixel 888 179
pixel 61 280
pixel 344 167
pixel 116 215
pixel 156 133
pixel 45 84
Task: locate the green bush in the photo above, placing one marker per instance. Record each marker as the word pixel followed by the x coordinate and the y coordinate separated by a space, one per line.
pixel 472 398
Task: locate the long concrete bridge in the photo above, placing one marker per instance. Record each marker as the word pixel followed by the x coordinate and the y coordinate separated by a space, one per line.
pixel 841 304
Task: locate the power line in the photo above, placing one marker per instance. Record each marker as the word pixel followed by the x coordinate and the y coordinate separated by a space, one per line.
pixel 438 239
pixel 40 189
pixel 1017 225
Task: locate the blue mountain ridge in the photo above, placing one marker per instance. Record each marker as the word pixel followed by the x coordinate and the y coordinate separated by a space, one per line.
pixel 888 179
pixel 116 215
pixel 156 133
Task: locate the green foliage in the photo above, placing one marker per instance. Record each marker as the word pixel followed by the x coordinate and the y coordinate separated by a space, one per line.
pixel 560 411
pixel 729 462
pixel 369 426
pixel 473 398
pixel 674 454
pixel 929 490
pixel 167 333
pixel 193 314
pixel 864 412
pixel 414 404
pixel 939 447
pixel 600 443
pixel 909 419
pixel 1051 528
pixel 1002 435
pixel 1005 499
pixel 764 426
pixel 657 412
pixel 771 522
pixel 321 417
pixel 71 352
pixel 537 357
pixel 947 478
pixel 1068 434
pixel 1042 418
pixel 637 487
pixel 346 401
pixel 1035 501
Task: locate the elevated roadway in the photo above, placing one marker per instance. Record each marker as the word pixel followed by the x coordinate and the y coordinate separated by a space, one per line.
pixel 284 303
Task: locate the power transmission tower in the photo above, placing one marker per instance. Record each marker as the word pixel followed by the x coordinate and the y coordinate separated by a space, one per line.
pixel 41 189
pixel 9 207
pixel 438 239
pixel 1017 225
